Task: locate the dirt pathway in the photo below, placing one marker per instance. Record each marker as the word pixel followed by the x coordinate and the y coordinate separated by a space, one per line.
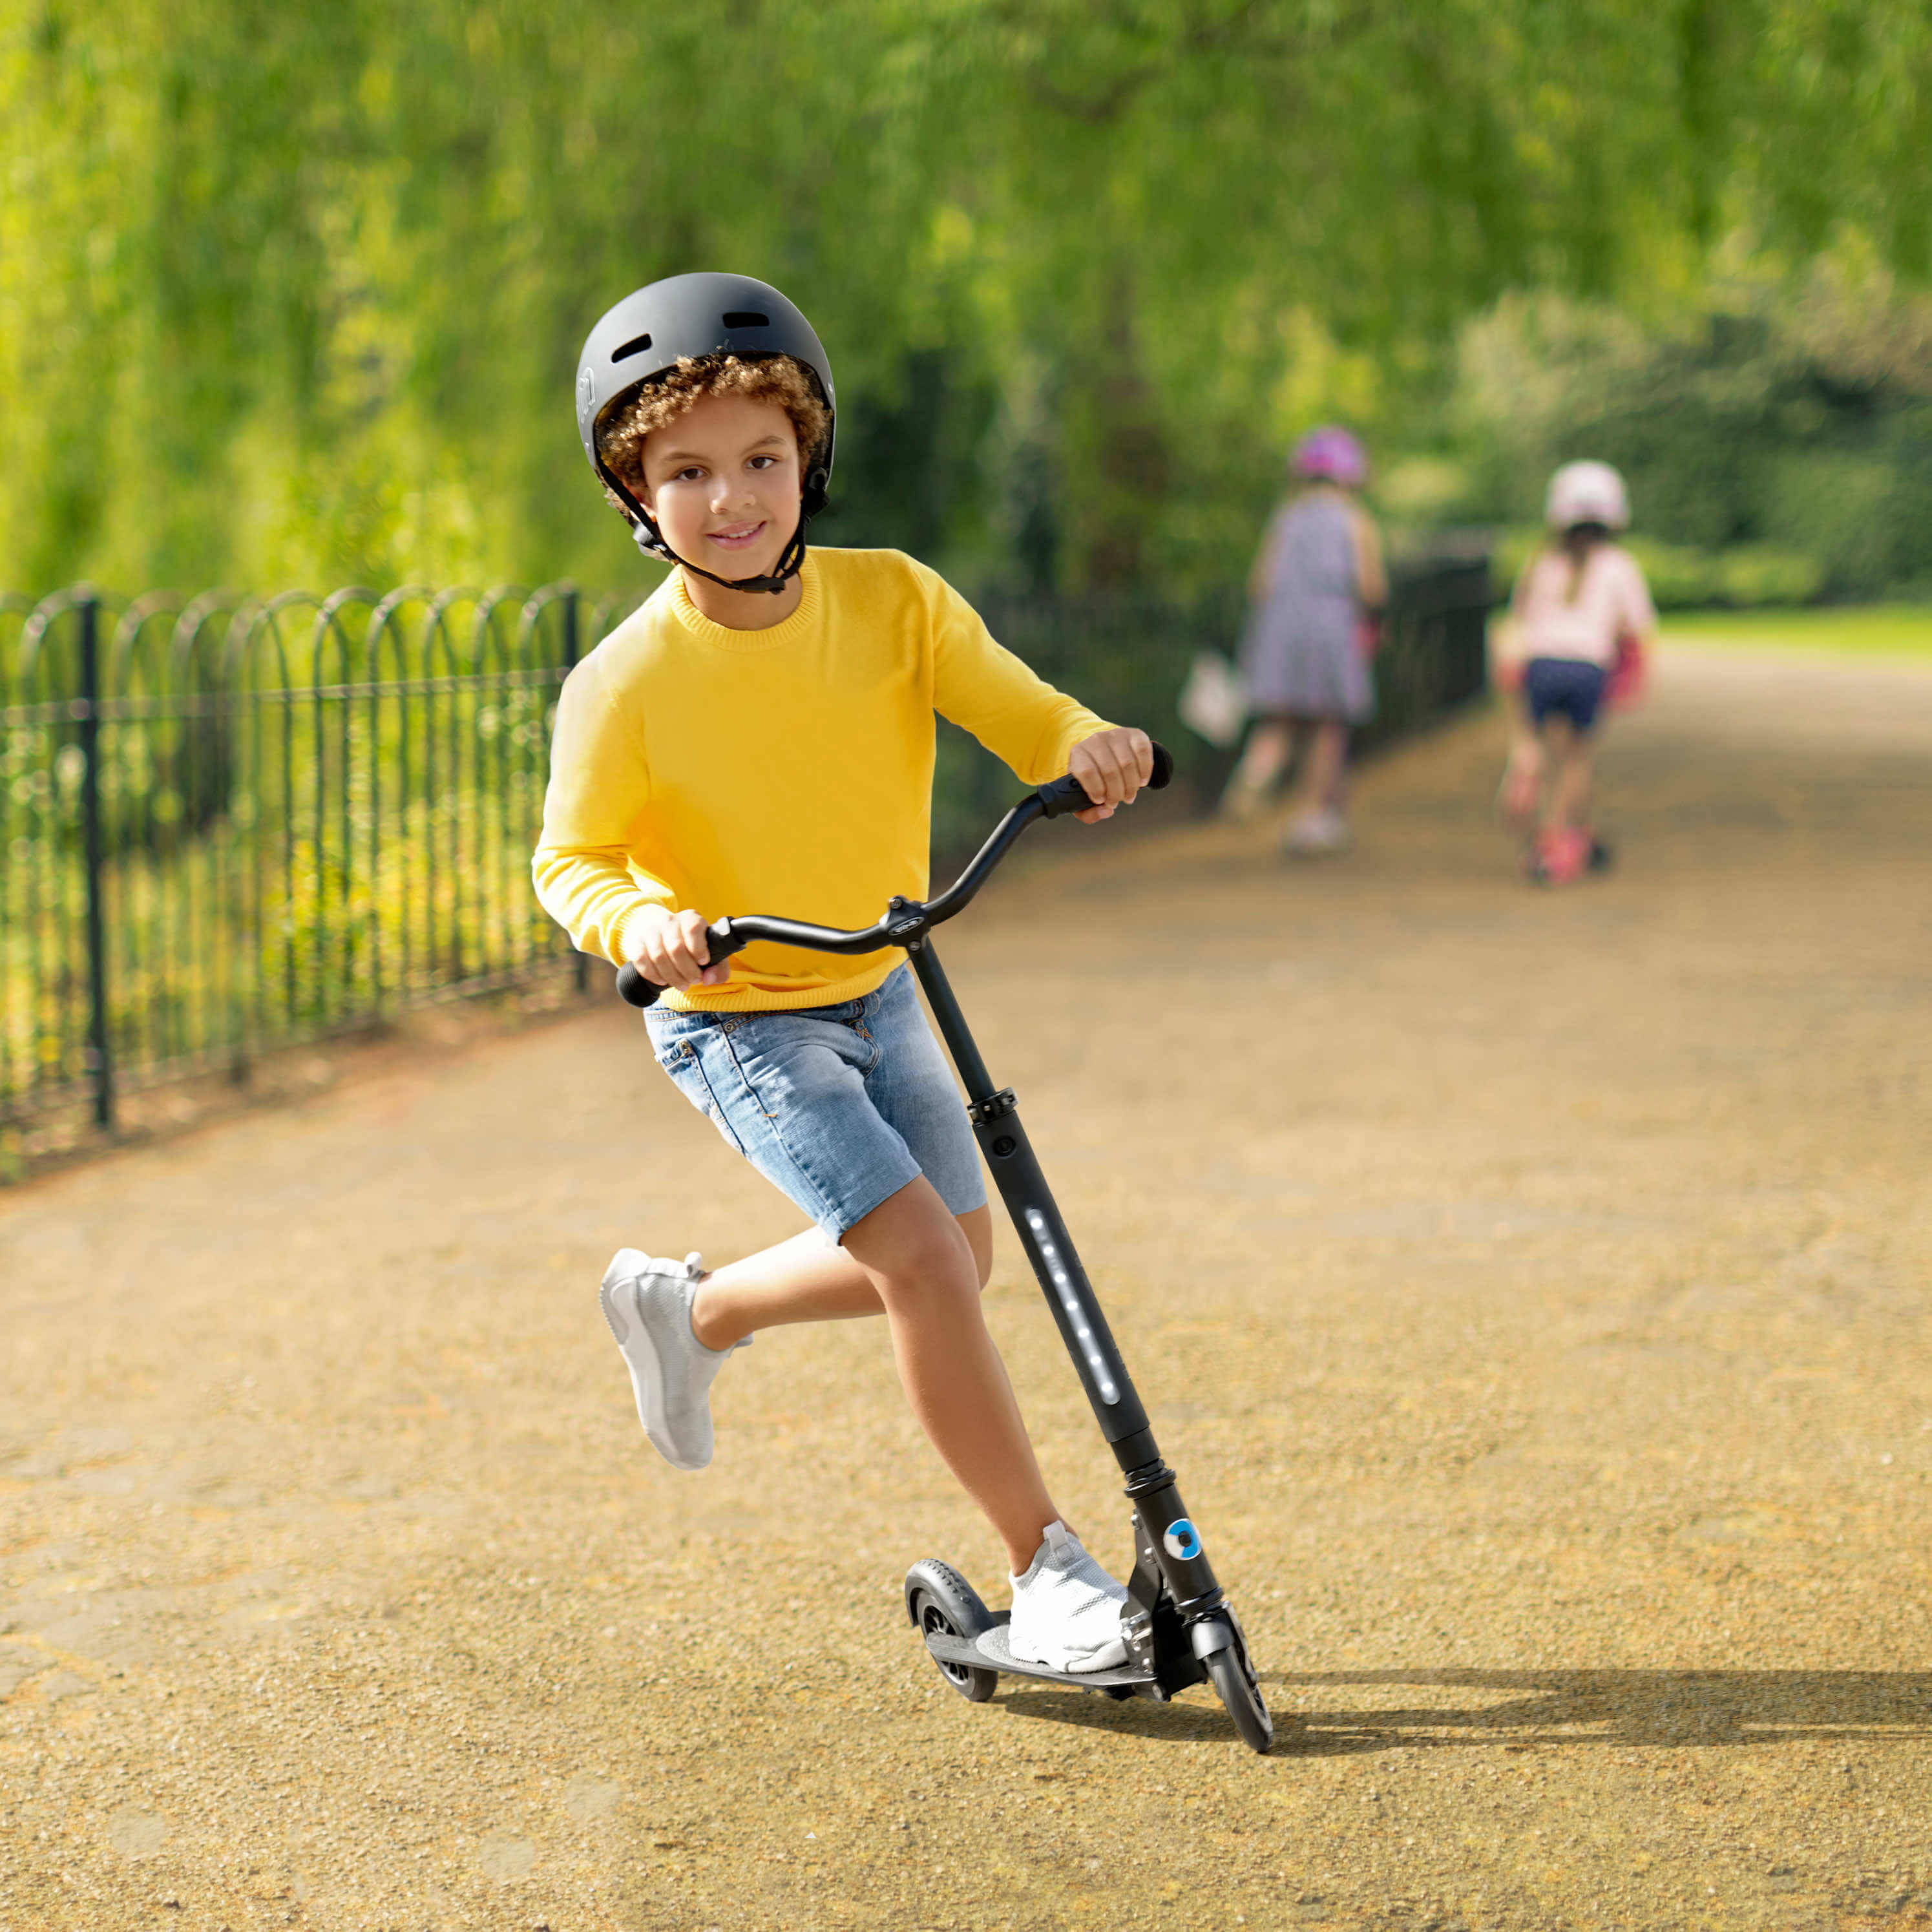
pixel 1531 1292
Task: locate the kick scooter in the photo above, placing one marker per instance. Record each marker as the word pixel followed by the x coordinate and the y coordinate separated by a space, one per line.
pixel 1179 1628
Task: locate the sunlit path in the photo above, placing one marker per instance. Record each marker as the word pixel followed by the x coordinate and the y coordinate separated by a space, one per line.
pixel 1530 1290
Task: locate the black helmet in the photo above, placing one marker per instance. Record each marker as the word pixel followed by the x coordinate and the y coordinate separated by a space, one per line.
pixel 647 334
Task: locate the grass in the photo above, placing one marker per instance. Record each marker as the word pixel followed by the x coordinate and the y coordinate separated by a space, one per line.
pixel 1880 630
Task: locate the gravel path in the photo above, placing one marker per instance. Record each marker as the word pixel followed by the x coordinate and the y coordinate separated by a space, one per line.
pixel 1530 1291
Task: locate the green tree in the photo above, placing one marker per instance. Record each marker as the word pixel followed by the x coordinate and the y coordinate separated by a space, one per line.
pixel 291 293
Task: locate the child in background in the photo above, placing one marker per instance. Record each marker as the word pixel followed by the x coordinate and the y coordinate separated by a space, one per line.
pixel 1317 582
pixel 758 737
pixel 1580 621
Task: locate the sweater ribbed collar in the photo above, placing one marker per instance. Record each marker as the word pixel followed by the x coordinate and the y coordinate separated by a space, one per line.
pixel 722 636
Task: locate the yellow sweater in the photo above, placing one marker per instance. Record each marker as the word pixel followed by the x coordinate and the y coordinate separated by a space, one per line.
pixel 786 771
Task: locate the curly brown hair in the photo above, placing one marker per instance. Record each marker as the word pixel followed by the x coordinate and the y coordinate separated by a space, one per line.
pixel 659 403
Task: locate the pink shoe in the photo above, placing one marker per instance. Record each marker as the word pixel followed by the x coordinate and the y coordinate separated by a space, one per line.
pixel 1562 858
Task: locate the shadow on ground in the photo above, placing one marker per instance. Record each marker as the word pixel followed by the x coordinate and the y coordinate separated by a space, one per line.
pixel 1633 1707
pixel 1552 1708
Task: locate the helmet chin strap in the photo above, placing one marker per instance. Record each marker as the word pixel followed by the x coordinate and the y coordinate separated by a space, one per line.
pixel 650 540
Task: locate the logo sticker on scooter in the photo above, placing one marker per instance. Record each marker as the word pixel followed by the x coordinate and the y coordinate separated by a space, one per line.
pixel 1182 1540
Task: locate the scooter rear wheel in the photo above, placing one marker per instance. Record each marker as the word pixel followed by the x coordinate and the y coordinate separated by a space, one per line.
pixel 1241 1697
pixel 938 1598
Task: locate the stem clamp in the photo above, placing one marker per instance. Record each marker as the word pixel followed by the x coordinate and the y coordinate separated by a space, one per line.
pixel 994 1107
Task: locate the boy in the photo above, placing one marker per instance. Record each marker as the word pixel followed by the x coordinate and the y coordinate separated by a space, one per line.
pixel 758 737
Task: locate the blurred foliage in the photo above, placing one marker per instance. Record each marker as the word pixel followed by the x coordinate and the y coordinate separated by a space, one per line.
pixel 1682 578
pixel 1777 433
pixel 294 293
pixel 1875 630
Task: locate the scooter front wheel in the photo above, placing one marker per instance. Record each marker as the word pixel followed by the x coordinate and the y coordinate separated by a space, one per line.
pixel 1240 1696
pixel 938 1599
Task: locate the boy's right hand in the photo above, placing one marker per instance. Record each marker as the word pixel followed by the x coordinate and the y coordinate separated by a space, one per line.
pixel 670 951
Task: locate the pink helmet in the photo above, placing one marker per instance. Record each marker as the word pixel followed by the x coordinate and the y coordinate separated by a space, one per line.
pixel 1329 454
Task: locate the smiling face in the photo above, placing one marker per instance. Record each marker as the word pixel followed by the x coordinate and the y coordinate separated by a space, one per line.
pixel 724 483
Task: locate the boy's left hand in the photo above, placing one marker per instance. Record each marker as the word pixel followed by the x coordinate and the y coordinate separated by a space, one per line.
pixel 1112 767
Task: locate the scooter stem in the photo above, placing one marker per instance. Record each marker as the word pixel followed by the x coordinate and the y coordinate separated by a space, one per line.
pixel 995 1118
pixel 1169 1549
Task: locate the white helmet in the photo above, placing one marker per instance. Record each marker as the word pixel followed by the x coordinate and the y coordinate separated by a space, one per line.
pixel 1586 492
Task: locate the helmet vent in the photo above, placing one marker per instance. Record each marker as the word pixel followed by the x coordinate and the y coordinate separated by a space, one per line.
pixel 636 346
pixel 746 318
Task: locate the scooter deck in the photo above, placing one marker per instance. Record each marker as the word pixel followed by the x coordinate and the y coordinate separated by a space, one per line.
pixel 993 1652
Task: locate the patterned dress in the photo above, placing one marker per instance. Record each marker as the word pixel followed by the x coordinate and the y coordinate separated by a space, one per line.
pixel 1300 652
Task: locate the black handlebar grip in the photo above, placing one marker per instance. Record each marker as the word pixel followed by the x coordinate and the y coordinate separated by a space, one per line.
pixel 634 989
pixel 1069 794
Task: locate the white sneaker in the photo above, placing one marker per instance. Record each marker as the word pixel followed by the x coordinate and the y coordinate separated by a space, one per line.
pixel 1315 832
pixel 648 1303
pixel 1067 1608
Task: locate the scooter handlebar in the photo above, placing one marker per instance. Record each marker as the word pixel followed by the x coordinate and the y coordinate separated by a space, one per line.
pixel 1068 794
pixel 1063 795
pixel 635 990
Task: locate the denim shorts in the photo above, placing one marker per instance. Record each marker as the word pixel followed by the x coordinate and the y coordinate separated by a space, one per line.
pixel 837 1107
pixel 1564 687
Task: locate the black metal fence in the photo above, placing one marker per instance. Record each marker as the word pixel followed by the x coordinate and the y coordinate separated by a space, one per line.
pixel 228 825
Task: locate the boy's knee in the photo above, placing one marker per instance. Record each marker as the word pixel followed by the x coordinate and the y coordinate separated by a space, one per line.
pixel 911 1244
pixel 927 1271
pixel 976 1225
pixel 910 1237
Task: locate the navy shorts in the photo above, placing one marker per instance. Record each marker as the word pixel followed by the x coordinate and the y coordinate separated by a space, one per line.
pixel 1563 687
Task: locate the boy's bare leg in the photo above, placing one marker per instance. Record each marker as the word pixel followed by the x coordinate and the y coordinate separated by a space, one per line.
pixel 803 1279
pixel 921 1263
pixel 923 1268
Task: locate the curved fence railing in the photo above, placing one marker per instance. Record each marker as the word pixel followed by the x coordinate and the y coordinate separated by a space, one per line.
pixel 229 824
